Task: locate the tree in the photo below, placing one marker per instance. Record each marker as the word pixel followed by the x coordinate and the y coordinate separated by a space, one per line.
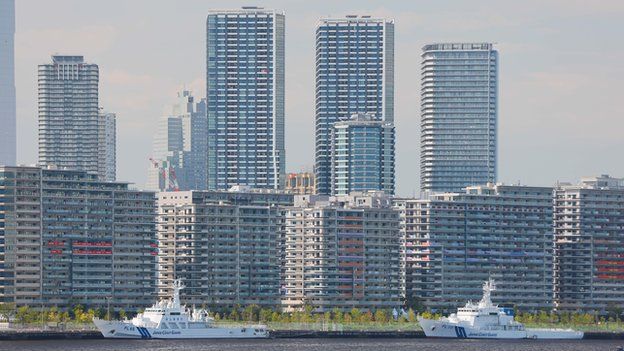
pixel 77 312
pixel 25 315
pixel 7 311
pixel 542 317
pixel 122 314
pixel 250 313
pixel 381 316
pixel 234 315
pixel 336 315
pixel 411 315
pixel 614 310
pixel 414 302
pixel 306 315
pixel 64 317
pixel 53 314
pixel 355 314
pixel 366 317
pixel 275 316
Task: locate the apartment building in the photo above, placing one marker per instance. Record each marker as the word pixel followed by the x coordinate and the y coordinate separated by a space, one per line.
pixel 68 238
pixel 224 245
pixel 341 252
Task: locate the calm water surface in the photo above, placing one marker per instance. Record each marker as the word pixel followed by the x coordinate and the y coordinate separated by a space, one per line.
pixel 313 345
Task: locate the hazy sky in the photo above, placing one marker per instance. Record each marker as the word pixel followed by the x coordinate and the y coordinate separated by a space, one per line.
pixel 561 111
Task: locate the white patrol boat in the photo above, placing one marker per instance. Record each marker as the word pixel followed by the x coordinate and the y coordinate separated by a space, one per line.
pixel 485 320
pixel 171 320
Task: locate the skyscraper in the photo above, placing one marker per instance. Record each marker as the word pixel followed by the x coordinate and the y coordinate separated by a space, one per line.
pixel 362 155
pixel 459 112
pixel 179 155
pixel 7 83
pixel 107 146
pixel 245 98
pixel 68 114
pixel 354 74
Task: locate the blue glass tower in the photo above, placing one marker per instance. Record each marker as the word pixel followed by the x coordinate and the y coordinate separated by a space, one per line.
pixel 362 155
pixel 354 75
pixel 459 112
pixel 7 83
pixel 245 98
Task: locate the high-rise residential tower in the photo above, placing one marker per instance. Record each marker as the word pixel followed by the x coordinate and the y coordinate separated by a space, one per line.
pixel 245 98
pixel 354 74
pixel 362 155
pixel 179 155
pixel 107 146
pixel 7 83
pixel 69 114
pixel 459 112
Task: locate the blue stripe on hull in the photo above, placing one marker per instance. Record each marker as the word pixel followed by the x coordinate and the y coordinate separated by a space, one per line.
pixel 461 332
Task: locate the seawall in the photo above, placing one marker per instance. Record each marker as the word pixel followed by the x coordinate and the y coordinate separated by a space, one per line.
pixel 280 334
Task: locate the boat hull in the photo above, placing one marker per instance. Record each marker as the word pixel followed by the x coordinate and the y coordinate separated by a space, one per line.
pixel 444 329
pixel 127 330
pixel 554 334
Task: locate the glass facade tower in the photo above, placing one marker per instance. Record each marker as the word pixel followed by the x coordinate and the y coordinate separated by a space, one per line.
pixel 7 82
pixel 459 112
pixel 178 160
pixel 69 114
pixel 362 155
pixel 354 74
pixel 107 145
pixel 245 98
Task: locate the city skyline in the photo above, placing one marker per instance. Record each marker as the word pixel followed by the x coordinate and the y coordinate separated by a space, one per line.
pixel 543 81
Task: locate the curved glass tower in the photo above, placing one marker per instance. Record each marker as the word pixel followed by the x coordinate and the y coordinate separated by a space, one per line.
pixel 459 112
pixel 362 155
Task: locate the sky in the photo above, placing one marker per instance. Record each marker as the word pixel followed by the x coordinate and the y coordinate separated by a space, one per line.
pixel 561 97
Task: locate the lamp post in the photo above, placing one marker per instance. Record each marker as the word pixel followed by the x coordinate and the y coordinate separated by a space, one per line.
pixel 108 298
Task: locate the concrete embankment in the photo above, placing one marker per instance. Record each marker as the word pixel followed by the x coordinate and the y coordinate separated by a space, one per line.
pixel 49 334
pixel 284 334
pixel 279 334
pixel 603 335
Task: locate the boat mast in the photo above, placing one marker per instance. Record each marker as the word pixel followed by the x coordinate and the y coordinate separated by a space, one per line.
pixel 488 287
pixel 177 286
